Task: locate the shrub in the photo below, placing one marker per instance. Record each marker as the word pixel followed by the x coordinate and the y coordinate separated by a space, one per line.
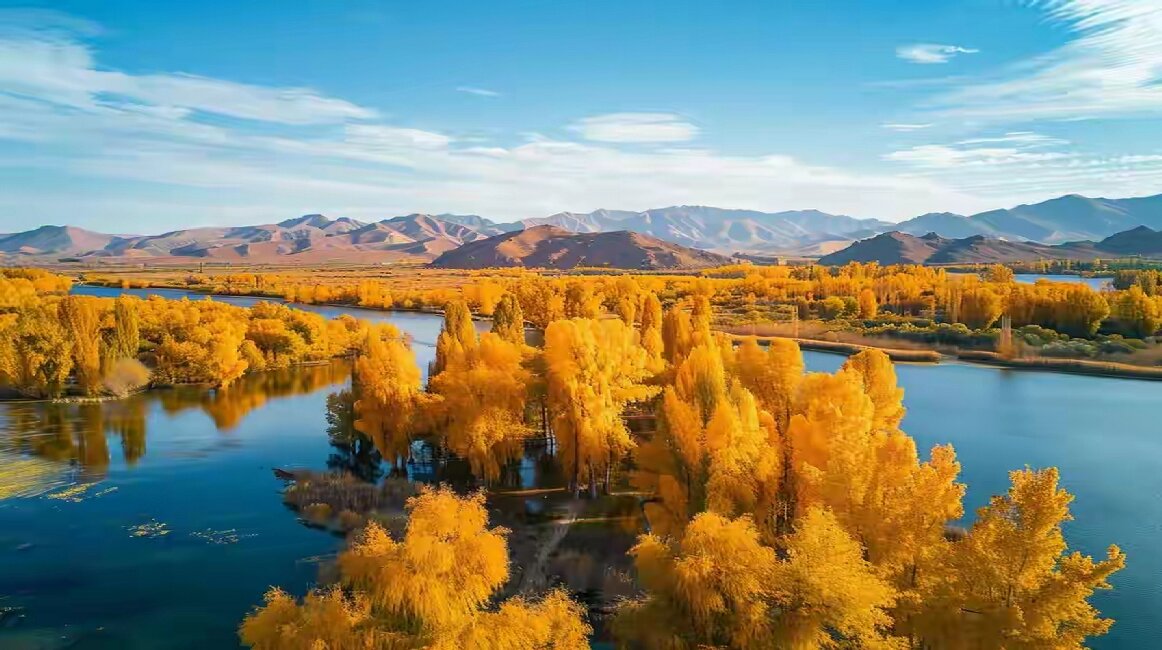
pixel 125 376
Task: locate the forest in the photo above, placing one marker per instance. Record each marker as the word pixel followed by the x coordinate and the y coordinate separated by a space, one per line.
pixel 885 306
pixel 781 509
pixel 778 508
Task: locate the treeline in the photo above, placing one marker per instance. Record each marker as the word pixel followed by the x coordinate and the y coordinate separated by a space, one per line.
pixel 52 343
pixel 782 509
pixel 861 294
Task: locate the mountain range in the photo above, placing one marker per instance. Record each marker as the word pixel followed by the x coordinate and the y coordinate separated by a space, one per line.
pixel 902 248
pixel 310 238
pixel 423 237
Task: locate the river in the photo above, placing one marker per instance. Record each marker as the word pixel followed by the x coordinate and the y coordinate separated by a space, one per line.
pixel 95 567
pixel 1097 284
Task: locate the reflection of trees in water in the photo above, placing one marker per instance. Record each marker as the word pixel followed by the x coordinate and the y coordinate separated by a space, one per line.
pixel 228 406
pixel 73 433
pixel 77 433
pixel 354 453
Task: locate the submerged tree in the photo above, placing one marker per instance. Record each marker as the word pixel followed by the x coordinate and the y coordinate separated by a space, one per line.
pixel 594 368
pixel 391 401
pixel 482 396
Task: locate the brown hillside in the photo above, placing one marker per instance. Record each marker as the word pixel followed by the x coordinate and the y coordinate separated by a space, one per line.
pixel 552 247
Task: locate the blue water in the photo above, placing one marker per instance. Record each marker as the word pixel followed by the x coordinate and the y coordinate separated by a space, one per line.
pixel 1097 284
pixel 76 571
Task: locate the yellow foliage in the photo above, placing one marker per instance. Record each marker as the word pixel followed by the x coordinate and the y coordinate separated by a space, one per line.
pixel 482 400
pixel 593 369
pixel 390 400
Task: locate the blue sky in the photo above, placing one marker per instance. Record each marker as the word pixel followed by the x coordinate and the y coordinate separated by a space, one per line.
pixel 135 116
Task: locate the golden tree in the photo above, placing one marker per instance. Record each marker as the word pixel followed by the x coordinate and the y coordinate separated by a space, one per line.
pixel 677 334
pixel 878 375
pixel 593 369
pixel 772 375
pixel 868 306
pixel 713 448
pixel 651 325
pixel 1010 582
pixel 81 318
pixel 717 585
pixel 36 353
pixel 829 596
pixel 581 301
pixel 390 401
pixel 457 336
pixel 710 586
pixel 429 590
pixel 126 330
pixel 482 401
pixel 508 320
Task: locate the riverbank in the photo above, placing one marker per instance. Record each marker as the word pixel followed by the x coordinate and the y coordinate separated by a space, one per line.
pixel 902 355
pixel 1071 366
pixel 848 349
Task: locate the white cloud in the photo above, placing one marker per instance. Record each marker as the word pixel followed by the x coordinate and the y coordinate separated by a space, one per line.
pixel 635 127
pixel 49 64
pixel 953 157
pixel 905 128
pixel 136 152
pixel 929 53
pixel 482 92
pixel 1112 67
pixel 392 138
pixel 1021 167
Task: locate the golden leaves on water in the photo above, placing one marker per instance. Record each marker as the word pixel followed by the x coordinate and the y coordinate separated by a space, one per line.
pixel 151 529
pixel 79 492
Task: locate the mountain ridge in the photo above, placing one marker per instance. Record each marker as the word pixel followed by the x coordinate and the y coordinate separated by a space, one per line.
pixel 423 237
pixel 548 246
pixel 897 247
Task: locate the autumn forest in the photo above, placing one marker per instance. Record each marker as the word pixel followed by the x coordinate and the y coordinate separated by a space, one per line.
pixel 769 506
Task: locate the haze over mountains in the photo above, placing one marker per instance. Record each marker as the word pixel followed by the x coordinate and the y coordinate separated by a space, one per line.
pixel 422 237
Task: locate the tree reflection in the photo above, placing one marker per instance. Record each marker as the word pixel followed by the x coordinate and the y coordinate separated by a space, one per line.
pixel 75 436
pixel 354 452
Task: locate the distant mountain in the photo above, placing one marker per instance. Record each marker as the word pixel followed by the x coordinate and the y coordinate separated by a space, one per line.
pixel 946 224
pixel 422 237
pixel 49 239
pixel 902 248
pixel 1067 218
pixel 309 238
pixel 552 247
pixel 721 229
pixel 1071 218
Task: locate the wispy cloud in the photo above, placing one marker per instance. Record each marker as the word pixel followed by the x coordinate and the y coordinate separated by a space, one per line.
pixel 480 92
pixel 319 153
pixel 1112 67
pixel 929 53
pixel 904 127
pixel 1016 147
pixel 47 63
pixel 1025 166
pixel 635 127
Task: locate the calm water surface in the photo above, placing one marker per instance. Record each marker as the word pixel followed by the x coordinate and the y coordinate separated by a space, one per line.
pixel 1097 284
pixel 194 469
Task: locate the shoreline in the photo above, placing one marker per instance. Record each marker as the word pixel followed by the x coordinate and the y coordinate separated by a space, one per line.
pixel 152 387
pixel 1107 369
